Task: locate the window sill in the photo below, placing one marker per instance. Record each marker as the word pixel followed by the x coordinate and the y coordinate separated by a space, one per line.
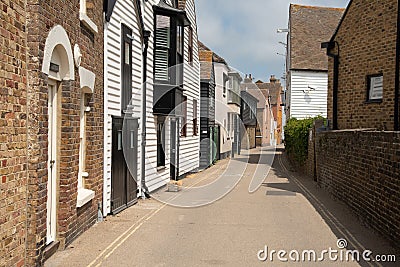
pixel 88 22
pixel 161 168
pixel 376 101
pixel 84 196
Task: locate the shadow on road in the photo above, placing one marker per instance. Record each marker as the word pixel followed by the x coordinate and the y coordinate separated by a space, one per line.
pixel 336 214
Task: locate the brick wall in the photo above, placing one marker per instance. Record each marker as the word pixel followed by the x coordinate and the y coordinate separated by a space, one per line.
pixel 367 45
pixel 71 222
pixel 362 169
pixel 12 133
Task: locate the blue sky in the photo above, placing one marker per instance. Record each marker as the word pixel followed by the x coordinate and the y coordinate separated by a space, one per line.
pixel 244 32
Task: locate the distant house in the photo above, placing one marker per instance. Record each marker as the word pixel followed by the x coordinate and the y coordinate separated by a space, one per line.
pixel 273 91
pixel 248 116
pixel 364 68
pixel 227 105
pixel 307 63
pixel 208 132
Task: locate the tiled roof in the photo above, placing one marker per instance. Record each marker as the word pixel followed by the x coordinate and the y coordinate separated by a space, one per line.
pixel 216 58
pixel 272 89
pixel 310 26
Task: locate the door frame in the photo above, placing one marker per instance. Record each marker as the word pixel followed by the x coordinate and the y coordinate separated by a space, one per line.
pixel 52 167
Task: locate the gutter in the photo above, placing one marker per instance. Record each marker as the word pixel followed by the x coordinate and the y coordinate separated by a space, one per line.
pixel 330 45
pixel 145 42
pixel 145 190
pixel 397 74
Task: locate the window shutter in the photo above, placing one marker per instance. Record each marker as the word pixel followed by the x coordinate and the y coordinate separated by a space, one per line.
pixel 162 47
pixel 376 88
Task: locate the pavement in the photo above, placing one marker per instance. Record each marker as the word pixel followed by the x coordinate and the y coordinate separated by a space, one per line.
pixel 287 215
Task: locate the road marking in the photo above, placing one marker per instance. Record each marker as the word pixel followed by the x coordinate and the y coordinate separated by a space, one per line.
pixel 141 221
pixel 124 233
pixel 338 225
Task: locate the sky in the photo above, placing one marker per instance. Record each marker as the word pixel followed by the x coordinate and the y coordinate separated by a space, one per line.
pixel 245 34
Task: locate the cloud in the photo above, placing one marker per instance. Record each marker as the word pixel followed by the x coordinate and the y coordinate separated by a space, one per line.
pixel 244 32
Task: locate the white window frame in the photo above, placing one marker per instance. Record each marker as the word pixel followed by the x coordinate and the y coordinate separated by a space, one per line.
pixel 375 88
pixel 84 195
pixel 84 17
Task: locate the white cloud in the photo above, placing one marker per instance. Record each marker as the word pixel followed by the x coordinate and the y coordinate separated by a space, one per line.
pixel 244 32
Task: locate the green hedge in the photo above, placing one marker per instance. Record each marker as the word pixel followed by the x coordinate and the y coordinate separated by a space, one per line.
pixel 296 137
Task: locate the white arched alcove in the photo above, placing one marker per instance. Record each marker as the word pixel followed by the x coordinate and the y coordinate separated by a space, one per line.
pixel 58 50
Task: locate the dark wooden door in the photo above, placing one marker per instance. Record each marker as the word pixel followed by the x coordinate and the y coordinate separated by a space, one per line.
pixel 123 177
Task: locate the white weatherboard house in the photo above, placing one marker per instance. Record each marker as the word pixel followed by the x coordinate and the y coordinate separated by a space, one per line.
pixel 170 97
pixel 307 63
pixel 222 109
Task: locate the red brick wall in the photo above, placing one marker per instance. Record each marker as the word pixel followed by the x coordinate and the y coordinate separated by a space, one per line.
pixel 12 133
pixel 362 169
pixel 71 222
pixel 367 44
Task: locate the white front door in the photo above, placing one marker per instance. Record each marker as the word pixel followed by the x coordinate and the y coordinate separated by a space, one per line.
pixel 52 165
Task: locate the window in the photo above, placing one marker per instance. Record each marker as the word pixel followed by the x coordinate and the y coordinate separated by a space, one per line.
pixel 190 48
pixel 375 88
pixel 225 80
pixel 184 117
pixel 168 50
pixel 160 142
pixel 195 126
pixel 229 123
pixel 162 48
pixel 84 17
pixel 126 68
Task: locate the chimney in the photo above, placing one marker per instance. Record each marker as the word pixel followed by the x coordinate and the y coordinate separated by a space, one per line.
pixel 272 79
pixel 251 78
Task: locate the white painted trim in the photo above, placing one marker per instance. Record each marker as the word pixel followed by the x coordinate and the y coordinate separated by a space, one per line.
pixel 86 79
pixel 58 36
pixel 105 116
pixel 84 196
pixel 88 22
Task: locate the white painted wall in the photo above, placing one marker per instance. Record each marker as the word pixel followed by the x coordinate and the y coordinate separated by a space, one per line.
pixel 123 14
pixel 305 102
pixel 221 106
pixel 189 147
pixel 189 157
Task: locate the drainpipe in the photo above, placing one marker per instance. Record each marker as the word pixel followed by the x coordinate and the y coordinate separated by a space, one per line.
pixel 330 45
pixel 397 78
pixel 145 190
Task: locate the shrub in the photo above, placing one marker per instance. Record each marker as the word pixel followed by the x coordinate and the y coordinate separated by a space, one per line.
pixel 296 137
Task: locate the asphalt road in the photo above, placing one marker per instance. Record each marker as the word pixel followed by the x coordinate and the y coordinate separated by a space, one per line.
pixel 287 212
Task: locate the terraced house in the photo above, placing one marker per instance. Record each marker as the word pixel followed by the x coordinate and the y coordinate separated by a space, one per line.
pixel 152 93
pixel 52 119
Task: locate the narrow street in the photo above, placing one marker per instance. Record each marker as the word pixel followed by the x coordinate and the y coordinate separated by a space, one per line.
pixel 288 212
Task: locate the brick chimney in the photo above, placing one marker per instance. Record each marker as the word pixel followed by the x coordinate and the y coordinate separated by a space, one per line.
pixel 272 79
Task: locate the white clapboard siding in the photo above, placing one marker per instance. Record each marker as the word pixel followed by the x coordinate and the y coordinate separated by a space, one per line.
pixel 221 107
pixel 123 14
pixel 304 101
pixel 154 179
pixel 190 145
